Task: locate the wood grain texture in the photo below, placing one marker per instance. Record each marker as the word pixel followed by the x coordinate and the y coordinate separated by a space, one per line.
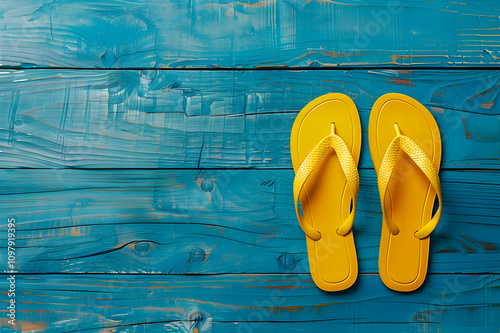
pixel 144 172
pixel 252 303
pixel 234 34
pixel 228 119
pixel 216 221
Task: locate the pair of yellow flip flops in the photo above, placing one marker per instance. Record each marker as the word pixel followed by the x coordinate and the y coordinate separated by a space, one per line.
pixel 405 146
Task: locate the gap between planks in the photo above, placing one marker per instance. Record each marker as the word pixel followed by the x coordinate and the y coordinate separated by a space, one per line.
pixel 226 169
pixel 230 69
pixel 219 274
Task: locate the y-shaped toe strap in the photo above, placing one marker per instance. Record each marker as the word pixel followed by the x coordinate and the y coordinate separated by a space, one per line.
pixel 306 168
pixel 401 142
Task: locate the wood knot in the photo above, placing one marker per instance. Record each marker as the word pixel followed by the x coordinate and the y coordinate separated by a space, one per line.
pixel 287 262
pixel 197 254
pixel 207 185
pixel 197 320
pixel 196 317
pixel 142 247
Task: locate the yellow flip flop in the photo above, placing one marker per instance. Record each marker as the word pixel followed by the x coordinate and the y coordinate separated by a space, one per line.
pixel 405 146
pixel 325 146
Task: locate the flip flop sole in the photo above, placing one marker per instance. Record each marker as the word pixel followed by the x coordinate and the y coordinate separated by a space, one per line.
pixel 326 197
pixel 403 258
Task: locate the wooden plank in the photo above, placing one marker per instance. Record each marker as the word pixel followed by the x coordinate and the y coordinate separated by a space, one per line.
pixel 216 221
pixel 229 119
pixel 249 303
pixel 233 34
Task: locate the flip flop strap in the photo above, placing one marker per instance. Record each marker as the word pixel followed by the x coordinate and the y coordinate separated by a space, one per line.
pixel 401 142
pixel 306 168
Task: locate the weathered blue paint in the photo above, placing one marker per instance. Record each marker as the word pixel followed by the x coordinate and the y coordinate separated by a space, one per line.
pixel 250 303
pixel 230 33
pixel 197 228
pixel 179 119
pixel 216 221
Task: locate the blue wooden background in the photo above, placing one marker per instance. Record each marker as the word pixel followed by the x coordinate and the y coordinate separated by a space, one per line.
pixel 144 153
